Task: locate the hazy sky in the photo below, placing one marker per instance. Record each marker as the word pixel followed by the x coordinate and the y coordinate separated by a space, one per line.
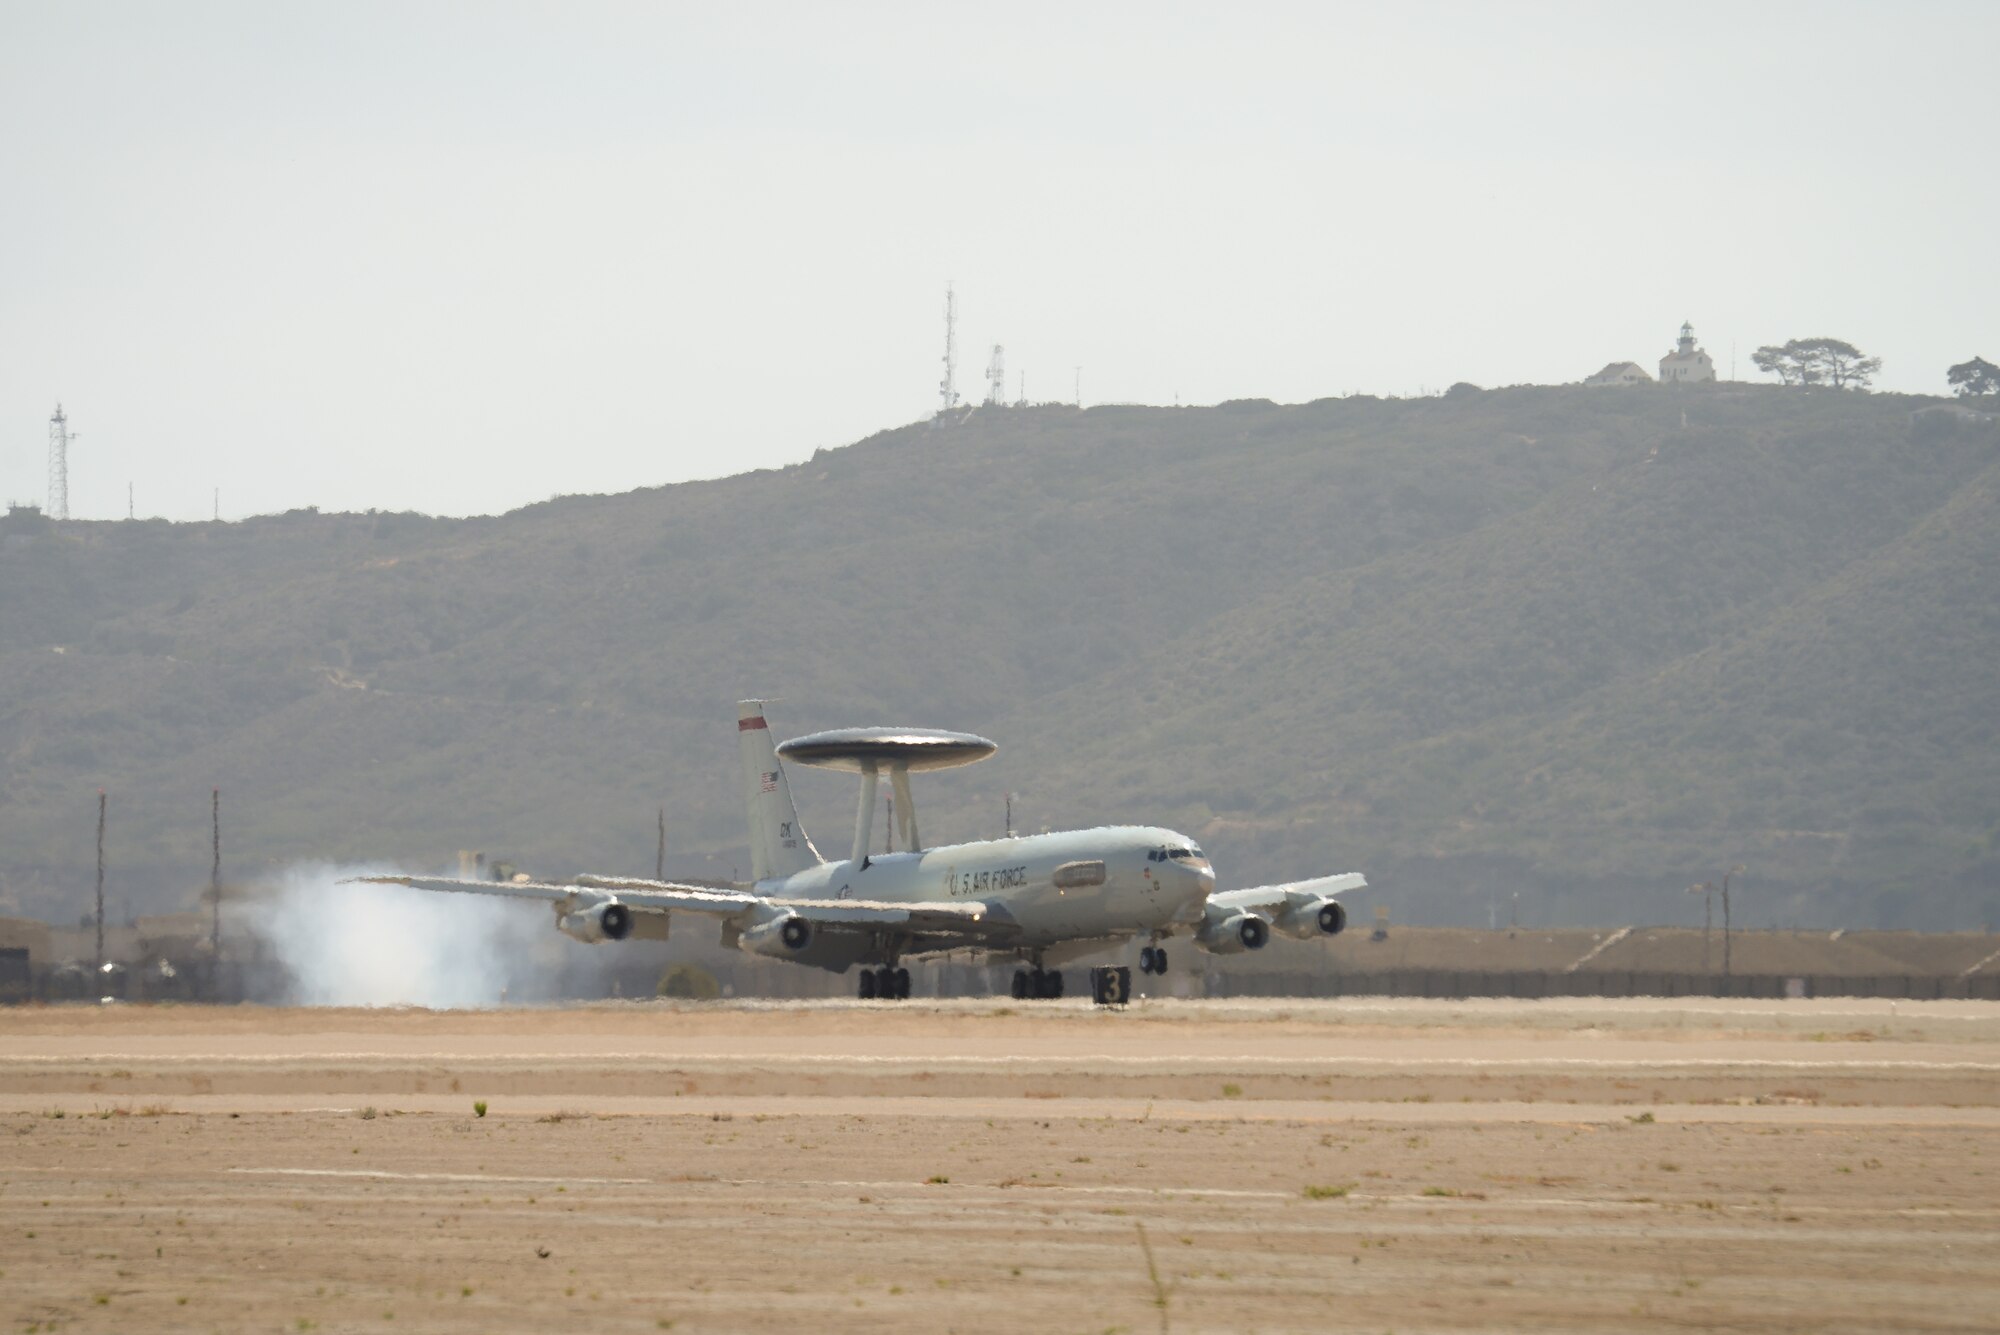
pixel 461 257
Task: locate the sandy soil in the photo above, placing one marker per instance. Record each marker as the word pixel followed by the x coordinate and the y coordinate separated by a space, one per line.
pixel 1408 1165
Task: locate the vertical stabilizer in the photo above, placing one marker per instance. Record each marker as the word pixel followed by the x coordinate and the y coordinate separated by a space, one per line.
pixel 778 843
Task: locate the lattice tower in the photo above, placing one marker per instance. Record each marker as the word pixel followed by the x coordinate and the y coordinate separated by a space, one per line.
pixel 948 388
pixel 59 465
pixel 996 376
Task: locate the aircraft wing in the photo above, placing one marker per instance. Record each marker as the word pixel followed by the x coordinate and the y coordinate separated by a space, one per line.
pixel 957 918
pixel 1280 898
pixel 655 897
pixel 1243 919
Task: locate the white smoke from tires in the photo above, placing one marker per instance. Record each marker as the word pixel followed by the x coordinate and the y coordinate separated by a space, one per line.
pixel 387 945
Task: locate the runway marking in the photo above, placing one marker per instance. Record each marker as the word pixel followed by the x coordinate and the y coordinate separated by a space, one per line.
pixel 388 1175
pixel 785 1183
pixel 1167 1065
pixel 1498 1201
pixel 1482 1007
pixel 1476 1008
pixel 998 1186
pixel 1138 1107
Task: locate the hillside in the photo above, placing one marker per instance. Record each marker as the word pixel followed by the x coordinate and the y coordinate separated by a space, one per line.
pixel 1587 646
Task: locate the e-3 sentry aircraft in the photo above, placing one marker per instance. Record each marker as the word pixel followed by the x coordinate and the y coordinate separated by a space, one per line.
pixel 1038 899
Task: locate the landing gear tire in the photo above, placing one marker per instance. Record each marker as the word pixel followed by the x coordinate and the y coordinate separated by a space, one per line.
pixel 1048 986
pixel 1021 986
pixel 902 990
pixel 867 989
pixel 1159 959
pixel 1152 959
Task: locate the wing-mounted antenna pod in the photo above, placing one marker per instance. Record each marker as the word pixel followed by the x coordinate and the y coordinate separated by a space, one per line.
pixel 869 751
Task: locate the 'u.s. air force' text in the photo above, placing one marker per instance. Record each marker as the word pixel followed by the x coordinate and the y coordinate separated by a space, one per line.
pixel 984 882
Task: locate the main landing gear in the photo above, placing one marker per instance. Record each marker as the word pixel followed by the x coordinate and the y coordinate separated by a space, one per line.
pixel 1037 984
pixel 885 984
pixel 1152 959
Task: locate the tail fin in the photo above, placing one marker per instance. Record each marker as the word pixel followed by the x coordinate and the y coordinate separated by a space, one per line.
pixel 778 843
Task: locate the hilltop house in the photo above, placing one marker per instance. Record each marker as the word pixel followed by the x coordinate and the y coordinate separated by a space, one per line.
pixel 1621 373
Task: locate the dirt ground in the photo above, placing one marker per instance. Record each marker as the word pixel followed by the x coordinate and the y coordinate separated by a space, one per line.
pixel 1271 1166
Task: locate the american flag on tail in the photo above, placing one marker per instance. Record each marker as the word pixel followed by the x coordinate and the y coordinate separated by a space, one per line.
pixel 770 778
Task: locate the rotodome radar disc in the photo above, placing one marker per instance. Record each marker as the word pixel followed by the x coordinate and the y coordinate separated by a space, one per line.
pixel 853 749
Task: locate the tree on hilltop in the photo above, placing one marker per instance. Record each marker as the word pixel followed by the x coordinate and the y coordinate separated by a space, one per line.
pixel 1817 361
pixel 1977 376
pixel 1782 363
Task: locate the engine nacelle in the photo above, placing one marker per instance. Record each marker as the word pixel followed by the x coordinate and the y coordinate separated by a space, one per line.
pixel 597 920
pixel 1231 932
pixel 1312 917
pixel 777 933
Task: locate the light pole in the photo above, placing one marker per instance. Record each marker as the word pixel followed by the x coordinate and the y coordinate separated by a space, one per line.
pixel 1707 892
pixel 1733 871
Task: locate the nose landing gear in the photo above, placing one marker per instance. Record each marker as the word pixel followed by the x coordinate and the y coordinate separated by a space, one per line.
pixel 1152 959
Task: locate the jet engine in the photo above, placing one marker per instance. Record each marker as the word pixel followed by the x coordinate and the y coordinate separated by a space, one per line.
pixel 776 933
pixel 1231 932
pixel 598 920
pixel 1312 917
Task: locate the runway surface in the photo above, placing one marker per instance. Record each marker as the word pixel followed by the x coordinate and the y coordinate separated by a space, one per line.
pixel 1365 1165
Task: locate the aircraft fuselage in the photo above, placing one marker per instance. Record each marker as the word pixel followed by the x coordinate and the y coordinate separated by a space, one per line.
pixel 1113 881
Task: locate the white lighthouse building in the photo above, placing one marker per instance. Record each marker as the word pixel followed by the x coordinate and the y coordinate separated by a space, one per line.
pixel 1686 363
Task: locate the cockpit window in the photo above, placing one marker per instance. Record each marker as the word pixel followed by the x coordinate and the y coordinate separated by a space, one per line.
pixel 1184 854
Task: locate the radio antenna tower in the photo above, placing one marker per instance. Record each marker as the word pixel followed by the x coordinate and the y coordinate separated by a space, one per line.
pixel 59 439
pixel 948 389
pixel 996 377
